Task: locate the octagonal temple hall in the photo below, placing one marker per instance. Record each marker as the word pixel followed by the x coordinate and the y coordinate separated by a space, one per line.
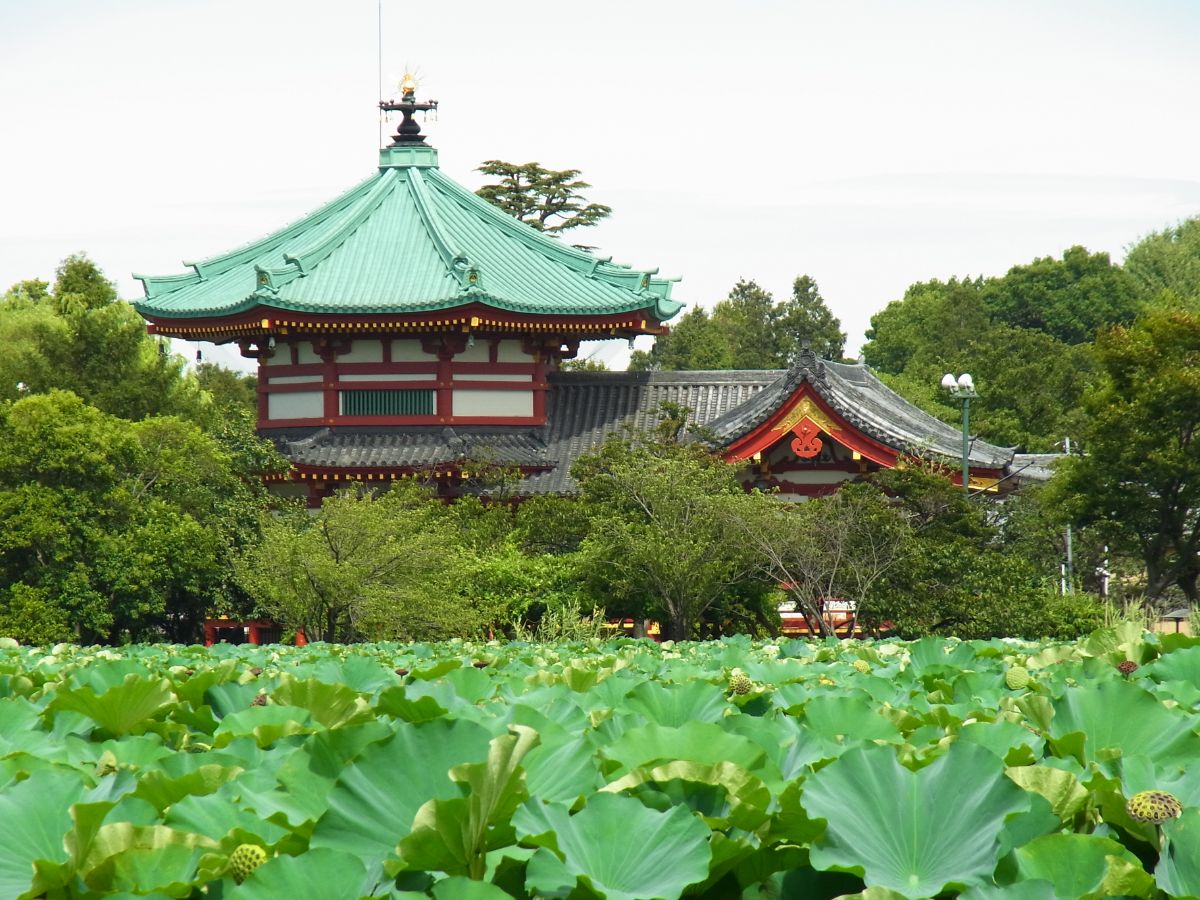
pixel 409 327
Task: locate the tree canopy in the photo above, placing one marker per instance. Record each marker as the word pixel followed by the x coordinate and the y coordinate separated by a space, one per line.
pixel 749 329
pixel 662 540
pixel 77 336
pixel 1138 480
pixel 549 200
pixel 1167 262
pixel 1025 337
pixel 116 530
pixel 367 566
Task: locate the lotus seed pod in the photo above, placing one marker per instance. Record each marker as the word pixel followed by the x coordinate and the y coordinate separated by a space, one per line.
pixel 1127 667
pixel 740 683
pixel 1153 806
pixel 244 860
pixel 861 665
pixel 1017 678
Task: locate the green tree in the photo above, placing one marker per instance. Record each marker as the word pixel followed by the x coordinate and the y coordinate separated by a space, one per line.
pixel 749 319
pixel 1070 299
pixel 1167 261
pixel 934 323
pixel 1030 382
pixel 662 541
pixel 831 548
pixel 961 574
pixel 694 342
pixel 365 567
pixel 546 199
pixel 1138 480
pixel 748 330
pixel 584 364
pixel 127 528
pixel 228 388
pixel 806 318
pixel 79 337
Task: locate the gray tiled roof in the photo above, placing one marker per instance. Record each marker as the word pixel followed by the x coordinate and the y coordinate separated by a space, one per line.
pixel 1035 466
pixel 418 446
pixel 864 401
pixel 584 408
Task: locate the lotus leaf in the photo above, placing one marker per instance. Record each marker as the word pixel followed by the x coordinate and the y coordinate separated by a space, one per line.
pixel 675 705
pixel 1182 665
pixel 34 816
pixel 696 741
pixel 266 724
pixel 1119 716
pixel 394 702
pixel 122 856
pixel 1060 789
pixel 851 718
pixel 316 875
pixel 333 705
pixel 459 888
pixel 562 773
pixel 912 832
pixel 373 804
pixel 614 846
pixel 1178 871
pixel 122 709
pixel 452 835
pixel 1083 866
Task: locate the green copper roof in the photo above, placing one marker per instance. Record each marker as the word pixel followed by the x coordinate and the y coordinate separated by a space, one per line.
pixel 407 240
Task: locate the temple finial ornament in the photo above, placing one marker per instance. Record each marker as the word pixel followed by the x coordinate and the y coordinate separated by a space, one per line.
pixel 807 366
pixel 409 131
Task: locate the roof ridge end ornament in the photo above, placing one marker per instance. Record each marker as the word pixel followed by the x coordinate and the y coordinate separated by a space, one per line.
pixel 409 132
pixel 807 366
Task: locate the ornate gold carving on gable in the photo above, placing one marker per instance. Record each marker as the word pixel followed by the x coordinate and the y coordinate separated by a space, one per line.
pixel 805 408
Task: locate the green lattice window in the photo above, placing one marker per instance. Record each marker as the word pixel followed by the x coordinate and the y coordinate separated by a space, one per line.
pixel 387 403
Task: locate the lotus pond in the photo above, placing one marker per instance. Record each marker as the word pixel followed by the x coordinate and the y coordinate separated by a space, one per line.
pixel 622 769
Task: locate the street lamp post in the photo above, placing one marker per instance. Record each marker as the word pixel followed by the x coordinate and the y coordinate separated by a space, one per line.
pixel 963 388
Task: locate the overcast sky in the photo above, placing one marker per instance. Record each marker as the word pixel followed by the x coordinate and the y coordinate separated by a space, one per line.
pixel 867 144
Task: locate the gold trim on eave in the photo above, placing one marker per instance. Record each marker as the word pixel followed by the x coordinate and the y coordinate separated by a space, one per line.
pixel 805 408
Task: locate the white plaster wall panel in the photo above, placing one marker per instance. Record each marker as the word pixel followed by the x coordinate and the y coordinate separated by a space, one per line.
pixel 295 379
pixel 815 476
pixel 410 351
pixel 300 405
pixel 306 354
pixel 431 375
pixel 476 354
pixel 493 403
pixel 489 377
pixel 363 352
pixel 511 352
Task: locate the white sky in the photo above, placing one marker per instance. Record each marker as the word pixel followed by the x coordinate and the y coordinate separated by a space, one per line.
pixel 867 144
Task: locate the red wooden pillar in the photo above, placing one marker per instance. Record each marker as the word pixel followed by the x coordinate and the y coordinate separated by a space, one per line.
pixel 329 383
pixel 540 369
pixel 315 490
pixel 445 384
